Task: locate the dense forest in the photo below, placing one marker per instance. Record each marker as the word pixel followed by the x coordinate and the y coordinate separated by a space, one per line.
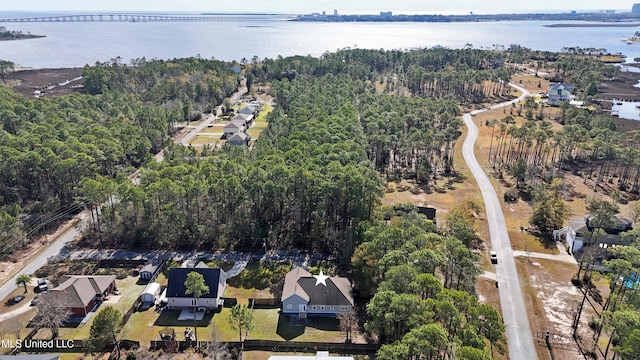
pixel 310 179
pixel 341 121
pixel 343 124
pixel 422 283
pixel 49 146
pixel 306 184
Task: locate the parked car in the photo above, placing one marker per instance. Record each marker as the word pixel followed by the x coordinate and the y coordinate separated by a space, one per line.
pixel 494 257
pixel 34 301
pixel 42 285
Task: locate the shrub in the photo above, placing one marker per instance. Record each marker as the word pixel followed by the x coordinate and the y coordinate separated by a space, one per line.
pixel 511 195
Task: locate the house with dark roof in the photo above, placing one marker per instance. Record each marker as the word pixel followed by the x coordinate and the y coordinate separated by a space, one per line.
pixel 240 139
pixel 305 295
pixel 82 292
pixel 580 233
pixel 251 109
pixel 214 278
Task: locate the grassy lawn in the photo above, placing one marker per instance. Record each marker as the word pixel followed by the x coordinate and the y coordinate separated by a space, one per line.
pixel 129 292
pixel 17 323
pixel 54 271
pixel 257 280
pixel 145 326
pixel 321 329
pixel 207 139
pixel 260 123
pixel 8 304
pixel 261 276
pixel 212 131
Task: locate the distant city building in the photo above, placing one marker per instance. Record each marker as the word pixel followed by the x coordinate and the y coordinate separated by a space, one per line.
pixel 335 12
pixel 635 9
pixel 386 14
pixel 609 12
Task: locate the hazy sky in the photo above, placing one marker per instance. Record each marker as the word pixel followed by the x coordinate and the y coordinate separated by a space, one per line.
pixel 308 6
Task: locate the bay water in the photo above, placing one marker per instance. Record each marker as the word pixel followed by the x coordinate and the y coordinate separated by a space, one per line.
pixel 74 44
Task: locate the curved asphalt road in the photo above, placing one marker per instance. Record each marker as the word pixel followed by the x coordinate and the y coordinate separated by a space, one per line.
pixel 56 247
pixel 514 312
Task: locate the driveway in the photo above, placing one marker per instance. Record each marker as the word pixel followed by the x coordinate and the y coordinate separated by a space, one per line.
pixel 514 312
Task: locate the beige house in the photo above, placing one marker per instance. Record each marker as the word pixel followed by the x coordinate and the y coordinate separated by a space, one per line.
pixel 305 295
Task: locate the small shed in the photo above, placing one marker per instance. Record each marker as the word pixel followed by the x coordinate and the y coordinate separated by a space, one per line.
pixel 150 292
pixel 148 271
pixel 429 212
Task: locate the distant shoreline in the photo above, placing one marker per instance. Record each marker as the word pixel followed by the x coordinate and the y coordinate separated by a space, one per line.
pixel 24 37
pixel 614 19
pixel 592 25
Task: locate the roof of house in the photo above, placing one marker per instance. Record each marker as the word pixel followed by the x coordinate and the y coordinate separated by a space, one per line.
pixel 235 124
pixel 578 225
pixel 201 265
pixel 241 116
pixel 238 137
pixel 177 277
pixel 249 109
pixel 151 288
pixel 560 88
pixel 31 357
pixel 79 290
pixel 319 356
pixel 150 267
pixel 337 290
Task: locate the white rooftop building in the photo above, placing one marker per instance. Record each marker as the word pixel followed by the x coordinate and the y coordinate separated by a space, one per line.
pixel 320 355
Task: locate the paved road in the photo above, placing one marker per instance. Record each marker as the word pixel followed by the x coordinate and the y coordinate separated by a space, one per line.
pixel 514 312
pixel 193 133
pixel 54 249
pixel 57 247
pixel 562 256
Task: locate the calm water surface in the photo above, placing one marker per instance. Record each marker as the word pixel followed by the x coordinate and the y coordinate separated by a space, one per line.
pixel 77 44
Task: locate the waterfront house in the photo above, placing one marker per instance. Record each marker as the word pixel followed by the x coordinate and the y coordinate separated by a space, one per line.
pixel 214 278
pixel 579 233
pixel 305 295
pixel 82 292
pixel 559 93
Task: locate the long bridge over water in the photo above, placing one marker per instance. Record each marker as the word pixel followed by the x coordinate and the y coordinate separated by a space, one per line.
pixel 142 18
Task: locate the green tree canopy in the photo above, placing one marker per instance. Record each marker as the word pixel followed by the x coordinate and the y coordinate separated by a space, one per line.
pixel 104 328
